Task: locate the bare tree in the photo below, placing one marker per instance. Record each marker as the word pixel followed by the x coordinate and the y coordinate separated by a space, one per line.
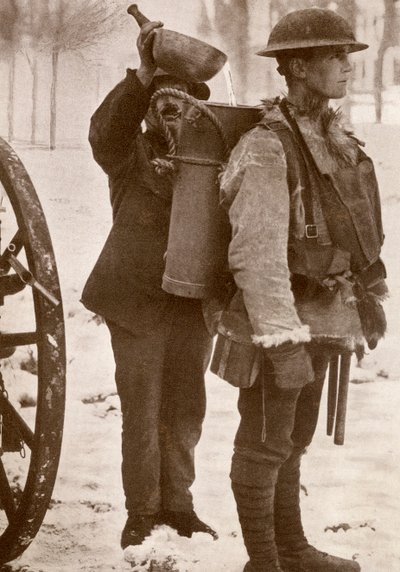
pixel 34 14
pixel 278 8
pixel 9 38
pixel 35 23
pixel 390 38
pixel 75 27
pixel 229 20
pixel 232 22
pixel 348 10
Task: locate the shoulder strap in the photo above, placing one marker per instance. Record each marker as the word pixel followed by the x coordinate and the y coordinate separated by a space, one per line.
pixel 296 164
pixel 298 136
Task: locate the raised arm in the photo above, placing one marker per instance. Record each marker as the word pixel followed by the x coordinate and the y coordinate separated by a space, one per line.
pixel 116 122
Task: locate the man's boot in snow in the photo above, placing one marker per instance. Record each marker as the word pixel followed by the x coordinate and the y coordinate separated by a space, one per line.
pixel 295 553
pixel 137 528
pixel 185 523
pixel 255 506
pixel 249 568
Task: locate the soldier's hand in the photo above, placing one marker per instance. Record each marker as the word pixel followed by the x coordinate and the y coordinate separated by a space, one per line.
pixel 145 48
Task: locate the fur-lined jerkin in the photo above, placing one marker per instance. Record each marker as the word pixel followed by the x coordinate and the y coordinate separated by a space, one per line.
pixel 266 216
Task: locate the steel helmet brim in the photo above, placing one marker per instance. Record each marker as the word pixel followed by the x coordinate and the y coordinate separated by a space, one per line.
pixel 310 28
pixel 277 49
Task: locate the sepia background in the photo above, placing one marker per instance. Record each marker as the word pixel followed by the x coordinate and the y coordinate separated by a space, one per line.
pixel 58 60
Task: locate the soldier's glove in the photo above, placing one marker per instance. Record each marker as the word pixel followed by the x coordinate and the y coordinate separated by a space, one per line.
pixel 291 365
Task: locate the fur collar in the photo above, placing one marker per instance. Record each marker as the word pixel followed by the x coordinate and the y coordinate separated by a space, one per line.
pixel 341 143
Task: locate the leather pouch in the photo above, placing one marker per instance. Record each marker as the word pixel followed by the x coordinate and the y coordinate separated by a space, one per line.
pixel 238 364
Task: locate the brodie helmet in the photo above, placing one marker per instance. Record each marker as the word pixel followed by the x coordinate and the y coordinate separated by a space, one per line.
pixel 310 28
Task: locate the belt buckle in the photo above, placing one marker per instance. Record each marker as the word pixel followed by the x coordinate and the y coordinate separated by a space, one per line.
pixel 311 231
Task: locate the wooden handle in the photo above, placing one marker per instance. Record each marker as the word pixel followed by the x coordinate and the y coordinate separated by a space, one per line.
pixel 332 393
pixel 134 11
pixel 342 398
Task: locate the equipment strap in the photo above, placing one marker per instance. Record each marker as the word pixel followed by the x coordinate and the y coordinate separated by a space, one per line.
pixel 296 163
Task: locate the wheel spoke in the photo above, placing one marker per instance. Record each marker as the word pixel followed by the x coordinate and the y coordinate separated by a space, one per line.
pixel 6 495
pixel 14 247
pixel 18 339
pixel 26 432
pixel 29 241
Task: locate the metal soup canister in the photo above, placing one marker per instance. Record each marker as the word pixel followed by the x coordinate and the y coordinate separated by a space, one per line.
pixel 199 235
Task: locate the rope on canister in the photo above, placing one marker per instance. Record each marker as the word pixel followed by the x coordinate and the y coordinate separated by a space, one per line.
pixel 164 166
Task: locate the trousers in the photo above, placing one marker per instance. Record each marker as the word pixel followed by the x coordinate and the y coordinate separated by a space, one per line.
pixel 160 382
pixel 274 422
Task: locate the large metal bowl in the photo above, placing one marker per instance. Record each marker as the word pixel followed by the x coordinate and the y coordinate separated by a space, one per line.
pixel 186 57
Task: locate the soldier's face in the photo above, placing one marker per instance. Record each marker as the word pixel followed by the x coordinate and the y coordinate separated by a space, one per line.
pixel 327 72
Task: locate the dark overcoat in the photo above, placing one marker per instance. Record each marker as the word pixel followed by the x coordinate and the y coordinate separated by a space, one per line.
pixel 125 283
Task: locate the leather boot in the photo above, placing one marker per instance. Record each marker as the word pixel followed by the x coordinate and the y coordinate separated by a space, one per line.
pixel 295 553
pixel 250 568
pixel 185 523
pixel 255 506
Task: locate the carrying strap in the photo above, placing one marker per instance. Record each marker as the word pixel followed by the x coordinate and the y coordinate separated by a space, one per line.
pixel 296 164
pixel 295 129
pixel 301 144
pixel 344 234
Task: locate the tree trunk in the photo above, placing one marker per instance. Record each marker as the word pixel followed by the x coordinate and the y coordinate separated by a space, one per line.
pixel 98 84
pixel 348 10
pixel 11 96
pixel 53 99
pixel 35 86
pixel 232 22
pixel 378 86
pixel 38 15
pixel 388 39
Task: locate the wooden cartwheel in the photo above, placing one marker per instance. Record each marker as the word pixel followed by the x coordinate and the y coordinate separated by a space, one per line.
pixel 31 426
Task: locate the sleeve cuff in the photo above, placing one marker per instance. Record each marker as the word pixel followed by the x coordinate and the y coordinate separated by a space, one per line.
pixel 299 335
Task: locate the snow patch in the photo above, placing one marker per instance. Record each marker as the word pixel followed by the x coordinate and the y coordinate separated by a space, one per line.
pixel 52 341
pixel 166 551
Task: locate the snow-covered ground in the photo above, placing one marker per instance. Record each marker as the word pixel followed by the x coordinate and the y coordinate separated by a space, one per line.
pixel 352 502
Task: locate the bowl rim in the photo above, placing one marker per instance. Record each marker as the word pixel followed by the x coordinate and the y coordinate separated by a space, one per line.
pixel 163 31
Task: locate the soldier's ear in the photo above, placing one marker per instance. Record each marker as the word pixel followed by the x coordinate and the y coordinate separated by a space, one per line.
pixel 297 68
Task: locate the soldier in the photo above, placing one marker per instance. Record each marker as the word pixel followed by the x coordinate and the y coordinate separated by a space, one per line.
pixel 160 342
pixel 303 203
